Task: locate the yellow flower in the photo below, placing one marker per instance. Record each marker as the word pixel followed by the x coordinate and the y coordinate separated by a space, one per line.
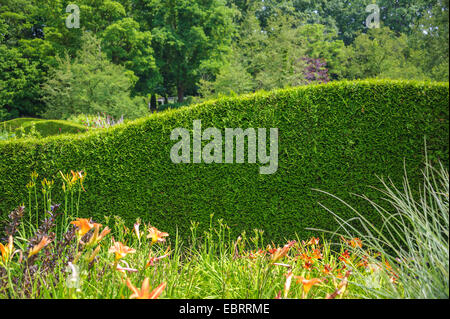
pixel 6 251
pixel 144 292
pixel 156 235
pixel 34 175
pixel 44 242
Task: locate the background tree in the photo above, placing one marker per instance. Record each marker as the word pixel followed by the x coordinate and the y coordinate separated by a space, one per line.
pixel 190 37
pixel 382 53
pixel 90 84
pixel 125 44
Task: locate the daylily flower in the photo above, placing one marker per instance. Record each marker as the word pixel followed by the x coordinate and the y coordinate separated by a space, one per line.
pixel 124 269
pixel 341 287
pixel 279 253
pixel 317 254
pixel 120 250
pixel 364 262
pixel 287 284
pixel 256 254
pixel 77 176
pixel 6 250
pixel 305 257
pixel 345 256
pixel 327 269
pixel 393 276
pixel 156 235
pixel 307 283
pixel 354 242
pixel 313 241
pixel 44 242
pixel 307 265
pixel 151 260
pixel 96 237
pixel 144 292
pixel 84 225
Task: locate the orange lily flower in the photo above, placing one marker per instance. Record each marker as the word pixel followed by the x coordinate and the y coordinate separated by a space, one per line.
pixel 84 225
pixel 345 255
pixel 96 237
pixel 307 283
pixel 120 250
pixel 305 257
pixel 354 242
pixel 151 260
pixel 80 176
pixel 104 232
pixel 156 235
pixel 313 241
pixel 144 292
pixel 317 254
pixel 44 242
pixel 279 253
pixel 364 262
pixel 307 265
pixel 6 250
pixel 327 269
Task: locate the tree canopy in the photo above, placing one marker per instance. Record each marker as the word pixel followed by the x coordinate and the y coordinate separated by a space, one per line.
pixel 204 48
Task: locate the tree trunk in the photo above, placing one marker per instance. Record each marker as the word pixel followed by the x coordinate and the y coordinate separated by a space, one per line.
pixel 153 103
pixel 180 90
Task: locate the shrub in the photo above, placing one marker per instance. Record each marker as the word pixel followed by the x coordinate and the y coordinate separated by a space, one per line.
pixel 14 124
pixel 50 127
pixel 90 84
pixel 335 137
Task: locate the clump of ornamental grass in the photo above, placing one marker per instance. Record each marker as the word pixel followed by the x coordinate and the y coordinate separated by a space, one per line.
pixel 413 240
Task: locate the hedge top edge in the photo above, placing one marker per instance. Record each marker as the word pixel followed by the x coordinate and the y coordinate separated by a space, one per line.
pixel 166 114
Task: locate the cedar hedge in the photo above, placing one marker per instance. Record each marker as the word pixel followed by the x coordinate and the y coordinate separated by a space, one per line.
pixel 52 127
pixel 336 137
pixel 12 125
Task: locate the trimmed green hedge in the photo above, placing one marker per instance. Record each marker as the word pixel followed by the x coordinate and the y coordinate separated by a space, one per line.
pixel 14 124
pixel 52 127
pixel 335 137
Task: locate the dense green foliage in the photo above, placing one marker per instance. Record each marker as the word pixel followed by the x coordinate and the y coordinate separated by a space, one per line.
pixel 50 127
pixel 90 84
pixel 211 47
pixel 335 137
pixel 12 125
